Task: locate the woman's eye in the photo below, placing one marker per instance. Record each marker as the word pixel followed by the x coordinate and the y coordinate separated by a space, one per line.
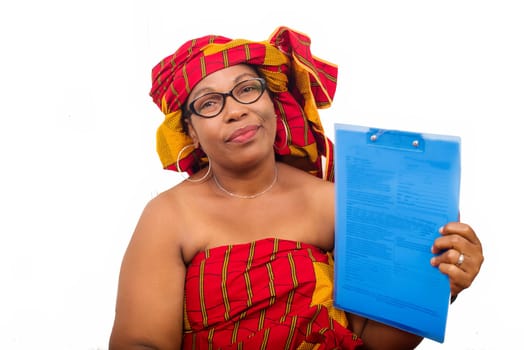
pixel 208 103
pixel 249 88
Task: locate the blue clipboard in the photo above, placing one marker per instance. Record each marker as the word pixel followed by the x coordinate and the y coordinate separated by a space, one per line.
pixel 394 190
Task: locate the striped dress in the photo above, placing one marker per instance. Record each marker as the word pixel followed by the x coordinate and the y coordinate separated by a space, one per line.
pixel 267 294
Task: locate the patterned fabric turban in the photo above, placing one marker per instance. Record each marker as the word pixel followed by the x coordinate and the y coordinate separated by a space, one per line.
pixel 300 84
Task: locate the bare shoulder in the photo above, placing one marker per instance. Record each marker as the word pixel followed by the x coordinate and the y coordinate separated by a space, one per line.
pixel 168 216
pixel 163 206
pixel 145 315
pixel 157 218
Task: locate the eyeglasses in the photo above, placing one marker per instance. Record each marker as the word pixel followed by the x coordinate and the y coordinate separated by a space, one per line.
pixel 211 104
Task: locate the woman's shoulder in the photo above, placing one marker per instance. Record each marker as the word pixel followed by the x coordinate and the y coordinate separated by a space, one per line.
pixel 162 220
pixel 166 199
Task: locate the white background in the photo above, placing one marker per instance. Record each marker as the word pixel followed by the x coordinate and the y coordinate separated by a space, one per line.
pixel 77 138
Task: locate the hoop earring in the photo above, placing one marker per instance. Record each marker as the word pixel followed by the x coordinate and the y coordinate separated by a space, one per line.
pixel 278 148
pixel 188 178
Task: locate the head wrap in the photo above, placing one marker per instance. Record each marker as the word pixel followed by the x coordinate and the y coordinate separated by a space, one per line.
pixel 300 84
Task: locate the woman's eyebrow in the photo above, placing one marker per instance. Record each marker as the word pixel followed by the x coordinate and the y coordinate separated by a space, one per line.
pixel 244 75
pixel 238 79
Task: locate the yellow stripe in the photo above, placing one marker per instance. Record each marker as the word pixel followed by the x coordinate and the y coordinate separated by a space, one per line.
pixel 291 295
pixel 186 80
pixel 247 52
pixel 225 58
pixel 293 269
pixel 264 342
pixel 225 297
pixel 201 290
pixel 271 284
pixel 292 328
pixel 275 250
pixel 249 289
pixel 289 303
pixel 210 338
pixel 187 325
pixel 203 69
pixel 235 332
pixel 312 320
pixel 310 254
pixel 190 49
pixel 251 256
pixel 261 319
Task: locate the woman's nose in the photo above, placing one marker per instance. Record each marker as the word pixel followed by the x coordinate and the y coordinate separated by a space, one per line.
pixel 233 110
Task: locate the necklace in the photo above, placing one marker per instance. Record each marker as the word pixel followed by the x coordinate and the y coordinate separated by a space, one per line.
pixel 250 196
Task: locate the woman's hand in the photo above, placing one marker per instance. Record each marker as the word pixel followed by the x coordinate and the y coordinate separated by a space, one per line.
pixel 461 256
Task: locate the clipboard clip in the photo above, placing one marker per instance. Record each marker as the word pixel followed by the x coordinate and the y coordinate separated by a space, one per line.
pixel 409 141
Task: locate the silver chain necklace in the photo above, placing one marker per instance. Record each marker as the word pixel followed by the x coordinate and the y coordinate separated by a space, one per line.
pixel 251 196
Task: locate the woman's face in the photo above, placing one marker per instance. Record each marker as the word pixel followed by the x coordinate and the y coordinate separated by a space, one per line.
pixel 241 133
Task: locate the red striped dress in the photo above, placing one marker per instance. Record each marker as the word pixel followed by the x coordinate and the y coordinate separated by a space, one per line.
pixel 267 294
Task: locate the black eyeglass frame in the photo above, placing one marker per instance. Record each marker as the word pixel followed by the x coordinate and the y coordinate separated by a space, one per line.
pixel 224 95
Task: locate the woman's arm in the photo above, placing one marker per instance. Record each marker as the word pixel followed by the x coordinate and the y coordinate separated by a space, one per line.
pixel 149 307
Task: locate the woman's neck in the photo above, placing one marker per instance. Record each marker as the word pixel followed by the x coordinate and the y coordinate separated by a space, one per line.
pixel 248 186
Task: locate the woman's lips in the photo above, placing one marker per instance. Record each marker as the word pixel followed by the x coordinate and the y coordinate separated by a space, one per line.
pixel 243 134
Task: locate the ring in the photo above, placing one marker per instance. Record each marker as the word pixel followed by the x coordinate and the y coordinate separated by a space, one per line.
pixel 460 259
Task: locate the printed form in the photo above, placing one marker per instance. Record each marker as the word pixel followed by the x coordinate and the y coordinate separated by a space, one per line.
pixel 394 190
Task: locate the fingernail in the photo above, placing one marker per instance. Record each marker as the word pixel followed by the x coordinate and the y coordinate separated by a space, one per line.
pixel 441 229
pixel 432 261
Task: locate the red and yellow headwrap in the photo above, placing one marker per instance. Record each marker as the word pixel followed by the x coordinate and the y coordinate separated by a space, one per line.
pixel 300 84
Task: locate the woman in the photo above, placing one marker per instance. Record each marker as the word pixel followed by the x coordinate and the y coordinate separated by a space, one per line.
pixel 238 255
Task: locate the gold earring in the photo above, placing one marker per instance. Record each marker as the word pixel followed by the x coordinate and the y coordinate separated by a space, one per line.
pixel 180 170
pixel 286 141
